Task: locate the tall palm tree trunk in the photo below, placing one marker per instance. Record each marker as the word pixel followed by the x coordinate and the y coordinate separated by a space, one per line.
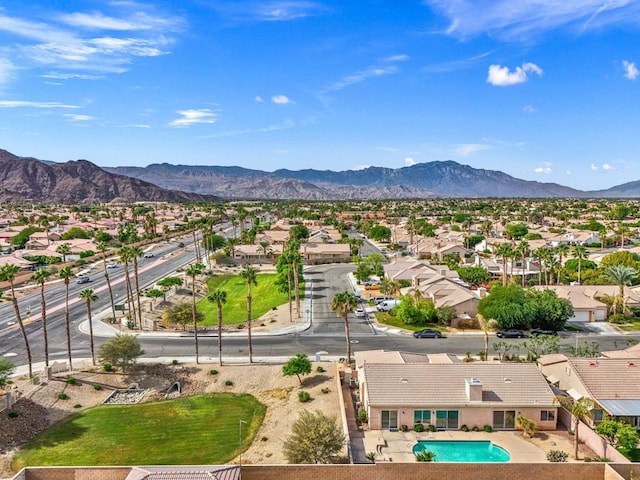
pixel 91 342
pixel 296 283
pixel 193 315
pixel 106 276
pixel 43 309
pixel 220 333
pixel 135 277
pixel 249 326
pixel 67 323
pixel 16 309
pixel 289 293
pixel 345 317
pixel 127 280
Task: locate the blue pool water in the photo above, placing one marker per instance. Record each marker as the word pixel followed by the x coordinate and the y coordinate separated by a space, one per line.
pixel 476 451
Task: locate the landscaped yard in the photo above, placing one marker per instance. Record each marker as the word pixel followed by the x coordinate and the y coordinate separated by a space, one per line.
pixel 392 321
pixel 264 296
pixel 196 430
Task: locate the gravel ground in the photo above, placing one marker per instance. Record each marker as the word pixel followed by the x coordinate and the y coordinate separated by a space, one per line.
pixel 40 407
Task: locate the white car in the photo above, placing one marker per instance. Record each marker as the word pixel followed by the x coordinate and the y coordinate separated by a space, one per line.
pixel 112 265
pixel 149 255
pixel 360 312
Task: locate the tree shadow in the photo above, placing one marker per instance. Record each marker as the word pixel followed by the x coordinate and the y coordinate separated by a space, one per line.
pixel 314 381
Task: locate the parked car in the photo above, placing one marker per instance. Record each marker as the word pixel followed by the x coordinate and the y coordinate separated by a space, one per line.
pixel 543 331
pixel 511 333
pixel 371 283
pixel 387 305
pixel 180 245
pixel 378 300
pixel 149 255
pixel 427 333
pixel 360 312
pixel 83 279
pixel 112 265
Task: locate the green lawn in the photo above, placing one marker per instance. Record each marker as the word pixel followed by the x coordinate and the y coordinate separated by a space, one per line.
pixel 632 326
pixel 264 296
pixel 198 430
pixel 388 319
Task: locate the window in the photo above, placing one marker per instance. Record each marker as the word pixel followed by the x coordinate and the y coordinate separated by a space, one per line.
pixel 447 419
pixel 547 416
pixel 389 420
pixel 421 416
pixel 597 415
pixel 504 419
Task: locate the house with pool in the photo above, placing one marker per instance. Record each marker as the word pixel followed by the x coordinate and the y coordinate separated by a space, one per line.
pixel 452 394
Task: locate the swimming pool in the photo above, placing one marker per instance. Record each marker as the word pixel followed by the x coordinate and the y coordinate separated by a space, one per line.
pixel 476 451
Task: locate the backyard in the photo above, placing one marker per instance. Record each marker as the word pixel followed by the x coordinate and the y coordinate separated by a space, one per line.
pixel 202 429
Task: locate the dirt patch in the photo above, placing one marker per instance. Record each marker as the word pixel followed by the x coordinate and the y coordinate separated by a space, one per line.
pixel 40 407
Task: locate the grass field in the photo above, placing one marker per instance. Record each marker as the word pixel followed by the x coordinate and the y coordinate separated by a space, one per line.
pixel 199 430
pixel 264 296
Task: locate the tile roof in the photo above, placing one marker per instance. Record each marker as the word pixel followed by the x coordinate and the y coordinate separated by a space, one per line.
pixel 224 472
pixel 609 378
pixel 444 384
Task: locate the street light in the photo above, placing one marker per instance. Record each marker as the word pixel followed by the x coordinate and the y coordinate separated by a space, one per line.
pixel 240 422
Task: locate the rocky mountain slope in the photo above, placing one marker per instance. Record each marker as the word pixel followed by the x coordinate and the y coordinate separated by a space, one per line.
pixel 28 179
pixel 442 179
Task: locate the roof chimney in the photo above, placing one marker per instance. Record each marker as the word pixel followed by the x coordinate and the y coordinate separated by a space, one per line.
pixel 473 388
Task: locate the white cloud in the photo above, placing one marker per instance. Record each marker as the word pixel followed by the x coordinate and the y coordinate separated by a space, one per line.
pixel 270 128
pixel 78 118
pixel 529 109
pixel 72 76
pixel 630 70
pixel 137 125
pixel 543 170
pixel 371 72
pixel 27 104
pixel 193 116
pixel 594 167
pixel 269 11
pixel 502 76
pixel 281 100
pixel 258 99
pixel 567 172
pixel 467 149
pixel 408 161
pixel 7 71
pixel 525 20
pixel 99 21
pixel 607 166
pixel 397 58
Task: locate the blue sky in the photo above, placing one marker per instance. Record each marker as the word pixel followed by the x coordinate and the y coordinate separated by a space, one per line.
pixel 544 90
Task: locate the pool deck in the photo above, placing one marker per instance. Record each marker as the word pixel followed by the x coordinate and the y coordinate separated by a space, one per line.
pixel 398 446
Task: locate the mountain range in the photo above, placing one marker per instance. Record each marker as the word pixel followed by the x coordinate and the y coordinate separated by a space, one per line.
pixel 78 181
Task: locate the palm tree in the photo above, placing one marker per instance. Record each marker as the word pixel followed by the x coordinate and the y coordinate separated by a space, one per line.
pixel 39 277
pixel 580 253
pixel 126 255
pixel 580 410
pixel 66 273
pixel 562 249
pixel 136 253
pixel 194 270
pixel 88 295
pixel 218 297
pixel 102 248
pixel 249 274
pixel 8 274
pixel 621 276
pixel 296 259
pixel 265 248
pixel 523 248
pixel 232 243
pixel 504 251
pixel 343 303
pixel 63 249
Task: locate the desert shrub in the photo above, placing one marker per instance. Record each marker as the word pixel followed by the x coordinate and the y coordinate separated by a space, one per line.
pixel 174 362
pixel 63 396
pixel 617 318
pixel 13 414
pixel 419 428
pixel 325 390
pixel 476 428
pixel 304 397
pixel 432 428
pixel 107 367
pixel 557 456
pixel 464 428
pixel 97 387
pixel 487 428
pixel 213 372
pixel 362 415
pixel 77 405
pixel 425 456
pixel 228 383
pixel 72 381
pixel 320 369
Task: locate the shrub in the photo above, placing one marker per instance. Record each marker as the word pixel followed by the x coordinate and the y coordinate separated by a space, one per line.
pixel 325 390
pixel 107 367
pixel 425 456
pixel 228 383
pixel 174 362
pixel 476 428
pixel 13 414
pixel 304 397
pixel 72 381
pixel 97 387
pixel 63 396
pixel 404 428
pixel 213 372
pixel 597 459
pixel 320 369
pixel 432 428
pixel 617 318
pixel 362 415
pixel 557 456
pixel 464 428
pixel 77 405
pixel 240 326
pixel 264 439
pixel 487 428
pixel 419 428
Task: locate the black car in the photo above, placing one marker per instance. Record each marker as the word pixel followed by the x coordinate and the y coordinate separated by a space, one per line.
pixel 543 331
pixel 511 333
pixel 427 333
